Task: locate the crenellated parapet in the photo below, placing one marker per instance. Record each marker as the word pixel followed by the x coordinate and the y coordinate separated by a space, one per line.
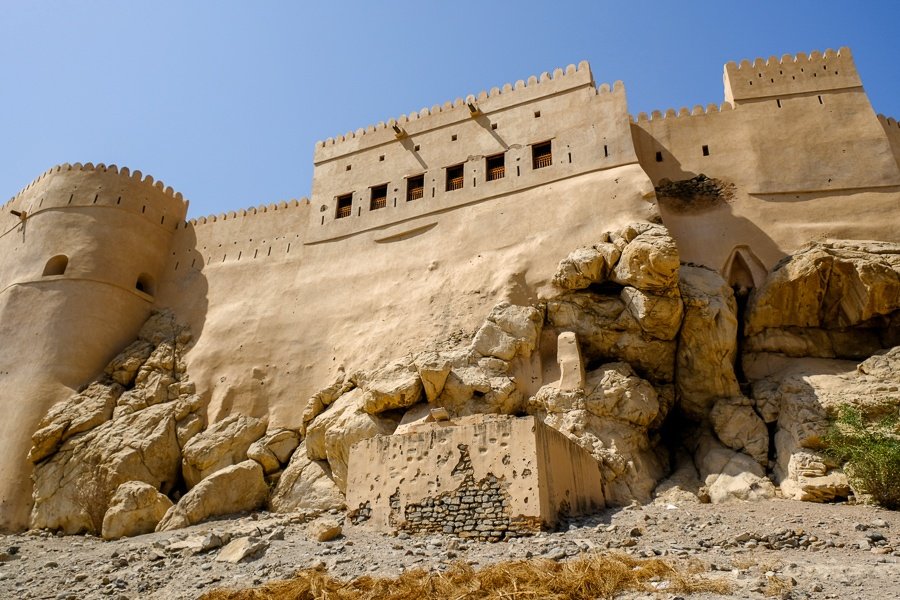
pixel 249 212
pixel 791 74
pixel 671 113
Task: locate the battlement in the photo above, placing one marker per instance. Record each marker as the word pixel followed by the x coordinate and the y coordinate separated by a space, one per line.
pixel 104 186
pixel 800 74
pixel 248 212
pixel 671 113
pixel 442 115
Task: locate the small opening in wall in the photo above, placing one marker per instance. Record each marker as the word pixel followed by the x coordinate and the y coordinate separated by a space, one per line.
pixel 659 157
pixel 541 155
pixel 344 206
pixel 537 114
pixel 119 200
pixel 454 178
pixel 144 283
pixel 415 187
pixel 348 167
pixel 820 100
pixel 778 102
pixel 381 158
pixel 705 149
pixel 570 157
pixel 495 167
pixel 56 265
pixel 176 265
pixel 453 138
pixel 162 220
pixel 416 147
pixel 378 197
pixel 95 198
pixel 493 126
pixel 772 80
pixel 143 209
pixel 751 83
pixel 70 198
pixel 605 151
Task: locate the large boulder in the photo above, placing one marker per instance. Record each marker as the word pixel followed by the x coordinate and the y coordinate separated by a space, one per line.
pixel 344 423
pixel 274 449
pixel 221 445
pixel 135 509
pixel 730 475
pixel 306 485
pixel 80 413
pixel 649 259
pixel 586 266
pixel 707 342
pixel 737 425
pixel 395 386
pixel 234 489
pixel 509 331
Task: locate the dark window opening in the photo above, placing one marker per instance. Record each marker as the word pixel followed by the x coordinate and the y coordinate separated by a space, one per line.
pixel 541 155
pixel 454 178
pixel 659 157
pixel 344 206
pixel 56 265
pixel 493 126
pixel 348 167
pixel 778 102
pixel 605 151
pixel 145 283
pixel 537 114
pixel 378 197
pixel 415 188
pixel 495 167
pixel 416 147
pixel 705 150
pixel 453 138
pixel 820 100
pixel 381 158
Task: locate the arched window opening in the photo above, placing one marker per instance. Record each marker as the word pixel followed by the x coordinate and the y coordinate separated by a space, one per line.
pixel 145 284
pixel 56 265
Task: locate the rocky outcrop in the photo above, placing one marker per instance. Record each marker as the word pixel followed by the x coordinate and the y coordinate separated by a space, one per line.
pixel 306 486
pixel 274 450
pixel 737 425
pixel 135 509
pixel 221 445
pixel 234 489
pixel 730 475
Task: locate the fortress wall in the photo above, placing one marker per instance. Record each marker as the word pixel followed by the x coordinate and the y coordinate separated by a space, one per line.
pixel 800 74
pixel 892 130
pixel 271 332
pixel 586 126
pixel 60 330
pixel 812 159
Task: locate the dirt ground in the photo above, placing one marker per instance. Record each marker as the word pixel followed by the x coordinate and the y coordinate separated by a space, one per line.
pixel 774 548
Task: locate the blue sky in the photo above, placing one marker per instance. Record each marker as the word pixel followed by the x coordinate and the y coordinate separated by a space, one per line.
pixel 225 100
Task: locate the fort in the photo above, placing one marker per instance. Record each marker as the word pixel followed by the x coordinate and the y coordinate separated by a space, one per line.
pixel 416 227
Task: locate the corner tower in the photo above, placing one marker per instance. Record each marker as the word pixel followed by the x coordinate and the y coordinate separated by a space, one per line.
pixel 81 251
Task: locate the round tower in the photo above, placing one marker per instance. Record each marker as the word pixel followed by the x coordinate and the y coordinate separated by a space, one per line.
pixel 81 251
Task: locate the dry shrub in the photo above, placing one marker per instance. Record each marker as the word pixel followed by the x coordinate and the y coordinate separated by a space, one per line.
pixel 585 578
pixel 778 587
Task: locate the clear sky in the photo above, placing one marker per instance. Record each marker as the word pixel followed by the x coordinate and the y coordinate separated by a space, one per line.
pixel 224 100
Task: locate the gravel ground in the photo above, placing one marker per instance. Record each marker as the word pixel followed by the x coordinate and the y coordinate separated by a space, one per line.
pixel 815 550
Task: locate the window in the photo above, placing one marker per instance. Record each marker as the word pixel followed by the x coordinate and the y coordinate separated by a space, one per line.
pixel 454 178
pixel 537 114
pixel 705 150
pixel 495 167
pixel 344 206
pixel 453 137
pixel 144 284
pixel 541 156
pixel 658 156
pixel 378 197
pixel 415 187
pixel 56 265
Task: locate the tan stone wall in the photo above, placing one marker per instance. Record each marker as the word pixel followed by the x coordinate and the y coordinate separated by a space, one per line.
pixel 892 130
pixel 452 474
pixel 59 331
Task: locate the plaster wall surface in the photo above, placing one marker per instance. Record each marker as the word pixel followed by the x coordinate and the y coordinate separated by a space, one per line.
pixel 542 473
pixel 59 330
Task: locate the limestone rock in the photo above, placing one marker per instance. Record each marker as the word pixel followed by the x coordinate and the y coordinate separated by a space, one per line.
pixel 135 509
pixel 394 386
pixel 333 432
pixel 586 266
pixel 829 299
pixel 152 389
pixel 325 397
pixel 306 485
pixel 241 549
pixel 73 487
pixel 658 316
pixel 233 489
pixel 571 365
pixel 82 412
pixel 707 342
pixel 608 331
pixel 739 427
pixel 124 367
pixel 730 475
pixel 433 369
pixel 222 444
pixel 649 260
pixel 509 331
pixel 324 530
pixel 274 449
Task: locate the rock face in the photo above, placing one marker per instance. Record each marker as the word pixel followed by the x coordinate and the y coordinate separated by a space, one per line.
pixel 306 485
pixel 238 488
pixel 136 508
pixel 223 444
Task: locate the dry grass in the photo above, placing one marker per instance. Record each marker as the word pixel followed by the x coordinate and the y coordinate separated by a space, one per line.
pixel 586 578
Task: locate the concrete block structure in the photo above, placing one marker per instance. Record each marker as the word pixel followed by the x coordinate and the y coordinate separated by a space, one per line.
pixel 486 477
pixel 415 228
